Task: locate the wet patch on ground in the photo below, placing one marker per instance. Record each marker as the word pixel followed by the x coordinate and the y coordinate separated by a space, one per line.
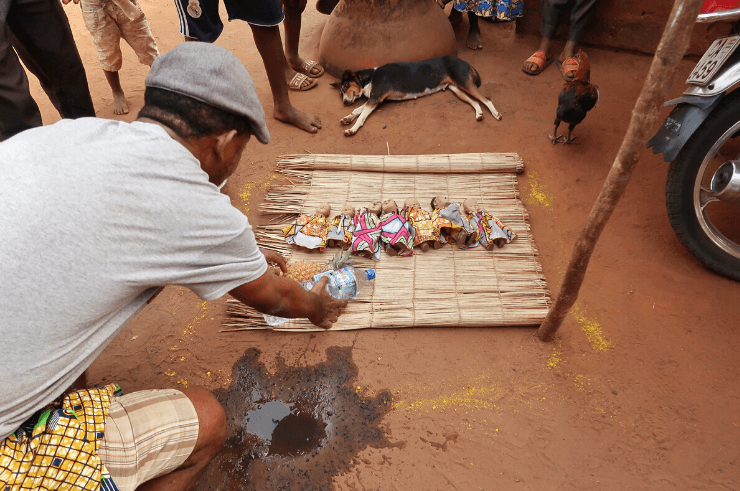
pixel 294 429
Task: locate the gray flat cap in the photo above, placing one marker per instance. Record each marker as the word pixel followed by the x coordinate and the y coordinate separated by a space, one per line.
pixel 210 74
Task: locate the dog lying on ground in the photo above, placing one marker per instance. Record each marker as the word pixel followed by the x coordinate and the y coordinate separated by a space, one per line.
pixel 404 81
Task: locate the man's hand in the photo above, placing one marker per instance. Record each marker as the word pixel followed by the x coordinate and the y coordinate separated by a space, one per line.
pixel 283 297
pixel 274 257
pixel 329 308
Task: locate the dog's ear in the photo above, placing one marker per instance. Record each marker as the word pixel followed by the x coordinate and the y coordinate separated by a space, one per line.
pixel 335 85
pixel 348 75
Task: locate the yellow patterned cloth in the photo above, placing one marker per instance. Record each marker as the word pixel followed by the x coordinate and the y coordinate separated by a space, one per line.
pixel 422 223
pixel 59 450
pixel 444 225
pixel 308 231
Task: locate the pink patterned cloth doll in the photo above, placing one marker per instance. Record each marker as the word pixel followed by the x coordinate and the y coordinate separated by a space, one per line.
pixel 396 233
pixel 366 233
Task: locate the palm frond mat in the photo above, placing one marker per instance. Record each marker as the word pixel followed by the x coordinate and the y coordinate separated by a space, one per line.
pixel 449 287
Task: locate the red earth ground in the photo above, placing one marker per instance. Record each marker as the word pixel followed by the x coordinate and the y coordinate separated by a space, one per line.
pixel 640 389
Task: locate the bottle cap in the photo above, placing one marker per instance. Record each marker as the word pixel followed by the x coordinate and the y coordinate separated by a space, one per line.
pixel 370 274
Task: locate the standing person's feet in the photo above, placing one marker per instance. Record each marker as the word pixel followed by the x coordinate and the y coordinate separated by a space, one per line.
pixel 473 41
pixel 298 81
pixel 567 62
pixel 120 104
pixel 289 114
pixel 309 68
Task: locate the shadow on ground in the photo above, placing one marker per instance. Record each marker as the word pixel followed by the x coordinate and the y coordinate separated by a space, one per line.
pixel 296 428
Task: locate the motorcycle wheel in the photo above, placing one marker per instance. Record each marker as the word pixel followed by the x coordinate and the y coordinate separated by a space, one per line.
pixel 706 226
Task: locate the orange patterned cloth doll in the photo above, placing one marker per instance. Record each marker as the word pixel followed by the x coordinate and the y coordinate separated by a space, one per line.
pixel 309 231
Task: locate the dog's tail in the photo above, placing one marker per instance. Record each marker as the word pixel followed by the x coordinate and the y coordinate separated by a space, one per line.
pixel 475 76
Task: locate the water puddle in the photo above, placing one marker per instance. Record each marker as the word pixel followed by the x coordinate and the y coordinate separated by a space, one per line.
pixel 294 429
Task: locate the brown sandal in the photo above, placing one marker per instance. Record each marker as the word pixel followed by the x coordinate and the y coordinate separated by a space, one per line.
pixel 309 65
pixel 297 82
pixel 539 59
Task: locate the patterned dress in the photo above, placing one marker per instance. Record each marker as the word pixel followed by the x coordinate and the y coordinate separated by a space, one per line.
pixel 490 228
pixel 58 449
pixel 366 235
pixel 421 221
pixel 341 229
pixel 396 230
pixel 500 9
pixel 308 231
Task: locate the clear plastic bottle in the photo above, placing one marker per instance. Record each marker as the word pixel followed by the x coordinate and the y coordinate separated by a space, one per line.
pixel 344 283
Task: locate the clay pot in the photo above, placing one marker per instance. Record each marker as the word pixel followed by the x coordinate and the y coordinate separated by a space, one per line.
pixel 370 33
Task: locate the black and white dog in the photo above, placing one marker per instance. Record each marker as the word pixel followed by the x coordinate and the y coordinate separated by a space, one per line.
pixel 403 81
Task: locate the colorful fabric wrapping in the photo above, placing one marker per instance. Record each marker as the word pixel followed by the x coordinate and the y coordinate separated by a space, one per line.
pixel 500 9
pixel 490 228
pixel 421 221
pixel 341 229
pixel 60 451
pixel 396 230
pixel 366 234
pixel 308 231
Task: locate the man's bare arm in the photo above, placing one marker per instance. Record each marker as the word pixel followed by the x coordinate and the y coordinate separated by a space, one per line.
pixel 284 297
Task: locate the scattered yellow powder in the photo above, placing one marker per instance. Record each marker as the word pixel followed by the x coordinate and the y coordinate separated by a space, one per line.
pixel 555 359
pixel 188 331
pixel 592 328
pixel 170 373
pixel 245 195
pixel 537 191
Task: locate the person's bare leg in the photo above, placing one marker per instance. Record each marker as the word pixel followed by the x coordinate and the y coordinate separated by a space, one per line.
pixel 473 41
pixel 211 436
pixel 455 17
pixel 292 25
pixel 568 52
pixel 270 47
pixel 545 47
pixel 120 104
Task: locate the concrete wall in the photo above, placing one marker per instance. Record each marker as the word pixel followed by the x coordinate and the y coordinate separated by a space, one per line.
pixel 627 24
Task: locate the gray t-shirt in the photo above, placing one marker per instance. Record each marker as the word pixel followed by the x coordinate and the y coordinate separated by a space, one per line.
pixel 95 215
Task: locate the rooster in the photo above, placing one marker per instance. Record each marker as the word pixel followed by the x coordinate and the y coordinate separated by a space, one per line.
pixel 576 99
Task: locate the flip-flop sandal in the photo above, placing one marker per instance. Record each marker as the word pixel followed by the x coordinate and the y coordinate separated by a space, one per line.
pixel 297 82
pixel 569 65
pixel 538 58
pixel 308 65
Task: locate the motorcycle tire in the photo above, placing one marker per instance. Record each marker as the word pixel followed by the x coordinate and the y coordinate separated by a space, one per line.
pixel 681 189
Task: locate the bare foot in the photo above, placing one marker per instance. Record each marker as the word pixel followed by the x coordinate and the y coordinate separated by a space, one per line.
pixel 120 104
pixel 291 115
pixel 474 41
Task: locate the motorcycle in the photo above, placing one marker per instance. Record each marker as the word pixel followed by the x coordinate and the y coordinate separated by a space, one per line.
pixel 699 138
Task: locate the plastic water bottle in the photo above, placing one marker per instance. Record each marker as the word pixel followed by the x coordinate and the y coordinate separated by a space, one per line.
pixel 345 283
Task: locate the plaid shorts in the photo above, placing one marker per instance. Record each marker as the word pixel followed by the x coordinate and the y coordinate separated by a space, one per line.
pixel 108 24
pixel 147 434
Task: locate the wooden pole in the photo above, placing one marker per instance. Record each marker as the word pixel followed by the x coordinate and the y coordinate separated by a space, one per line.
pixel 670 51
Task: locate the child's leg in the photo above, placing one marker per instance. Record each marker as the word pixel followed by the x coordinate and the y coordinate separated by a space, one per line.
pixel 473 41
pixel 100 21
pixel 120 104
pixel 139 36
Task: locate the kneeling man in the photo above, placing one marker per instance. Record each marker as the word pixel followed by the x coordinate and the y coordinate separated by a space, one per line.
pixel 97 216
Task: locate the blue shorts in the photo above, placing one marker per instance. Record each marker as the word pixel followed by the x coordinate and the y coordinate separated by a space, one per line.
pixel 199 19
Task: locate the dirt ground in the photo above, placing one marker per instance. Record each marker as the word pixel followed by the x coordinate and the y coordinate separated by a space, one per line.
pixel 640 390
